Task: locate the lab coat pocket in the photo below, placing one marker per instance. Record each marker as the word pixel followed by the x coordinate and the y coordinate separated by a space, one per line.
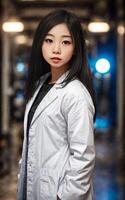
pixel 48 184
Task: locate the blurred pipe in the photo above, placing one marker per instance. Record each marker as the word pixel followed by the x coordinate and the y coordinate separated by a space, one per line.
pixel 121 97
pixel 120 78
pixel 0 89
pixel 5 82
pixel 120 85
pixel 5 73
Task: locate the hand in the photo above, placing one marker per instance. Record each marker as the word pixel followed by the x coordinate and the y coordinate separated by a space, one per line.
pixel 58 198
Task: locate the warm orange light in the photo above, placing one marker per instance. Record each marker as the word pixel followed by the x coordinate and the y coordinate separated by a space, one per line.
pixel 13 26
pixel 98 27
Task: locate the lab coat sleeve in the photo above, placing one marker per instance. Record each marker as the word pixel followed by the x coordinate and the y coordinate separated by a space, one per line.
pixel 77 182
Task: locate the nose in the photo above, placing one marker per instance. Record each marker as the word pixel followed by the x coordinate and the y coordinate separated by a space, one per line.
pixel 56 49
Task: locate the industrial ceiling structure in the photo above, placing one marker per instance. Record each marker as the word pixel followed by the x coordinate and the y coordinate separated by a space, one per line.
pixel 32 11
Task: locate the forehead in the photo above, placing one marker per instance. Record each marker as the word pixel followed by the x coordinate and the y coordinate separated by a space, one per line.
pixel 60 30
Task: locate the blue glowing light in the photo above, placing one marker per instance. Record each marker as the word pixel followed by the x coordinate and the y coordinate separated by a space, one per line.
pixel 102 65
pixel 102 123
pixel 20 67
pixel 19 95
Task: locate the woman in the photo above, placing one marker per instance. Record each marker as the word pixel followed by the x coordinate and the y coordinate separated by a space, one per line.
pixel 58 150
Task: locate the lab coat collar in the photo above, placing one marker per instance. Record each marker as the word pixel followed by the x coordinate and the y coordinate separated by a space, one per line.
pixel 48 99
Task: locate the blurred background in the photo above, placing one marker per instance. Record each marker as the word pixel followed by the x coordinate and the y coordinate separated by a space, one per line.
pixel 104 24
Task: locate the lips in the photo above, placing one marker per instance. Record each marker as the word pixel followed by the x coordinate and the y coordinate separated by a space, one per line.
pixel 55 58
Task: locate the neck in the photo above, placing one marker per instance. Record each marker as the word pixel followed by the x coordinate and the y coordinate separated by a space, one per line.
pixel 56 73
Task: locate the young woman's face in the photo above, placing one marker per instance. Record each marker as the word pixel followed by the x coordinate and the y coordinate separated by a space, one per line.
pixel 58 47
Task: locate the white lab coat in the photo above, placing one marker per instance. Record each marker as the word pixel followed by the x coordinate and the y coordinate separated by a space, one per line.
pixel 61 144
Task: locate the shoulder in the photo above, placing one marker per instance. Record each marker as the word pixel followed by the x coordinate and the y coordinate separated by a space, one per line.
pixel 75 92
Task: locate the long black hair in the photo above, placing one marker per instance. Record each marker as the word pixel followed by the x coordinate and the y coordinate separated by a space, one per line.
pixel 78 64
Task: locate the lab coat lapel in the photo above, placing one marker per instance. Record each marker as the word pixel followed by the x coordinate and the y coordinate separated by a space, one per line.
pixel 29 104
pixel 48 99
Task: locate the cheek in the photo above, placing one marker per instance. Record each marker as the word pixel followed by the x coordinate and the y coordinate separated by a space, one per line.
pixel 69 53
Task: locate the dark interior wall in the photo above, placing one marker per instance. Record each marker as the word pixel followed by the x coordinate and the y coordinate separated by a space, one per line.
pixel 0 66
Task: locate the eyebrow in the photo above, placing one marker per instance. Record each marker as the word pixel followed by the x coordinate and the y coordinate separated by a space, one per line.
pixel 61 35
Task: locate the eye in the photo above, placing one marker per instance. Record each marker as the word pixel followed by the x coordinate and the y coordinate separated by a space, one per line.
pixel 67 42
pixel 48 40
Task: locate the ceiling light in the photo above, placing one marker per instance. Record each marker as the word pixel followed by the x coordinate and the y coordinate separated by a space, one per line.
pixel 98 27
pixel 13 26
pixel 121 29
